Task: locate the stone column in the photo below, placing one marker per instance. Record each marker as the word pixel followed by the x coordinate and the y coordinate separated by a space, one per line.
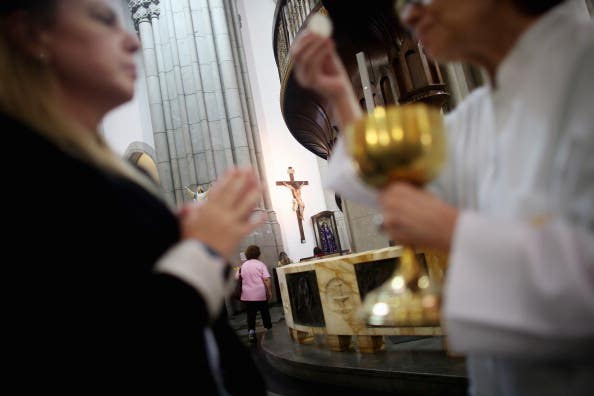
pixel 242 79
pixel 200 98
pixel 272 227
pixel 212 91
pixel 143 12
pixel 230 88
pixel 177 34
pixel 167 86
pixel 200 144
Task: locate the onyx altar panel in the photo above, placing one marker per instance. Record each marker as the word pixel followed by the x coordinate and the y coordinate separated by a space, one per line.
pixel 304 298
pixel 374 273
pixel 323 296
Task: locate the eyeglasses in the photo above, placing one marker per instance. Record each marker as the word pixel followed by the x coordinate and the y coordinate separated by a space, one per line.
pixel 401 4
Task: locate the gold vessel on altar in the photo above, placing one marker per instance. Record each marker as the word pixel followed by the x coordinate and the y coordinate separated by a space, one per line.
pixel 401 143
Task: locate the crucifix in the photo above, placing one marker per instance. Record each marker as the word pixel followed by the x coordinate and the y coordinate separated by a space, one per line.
pixel 298 205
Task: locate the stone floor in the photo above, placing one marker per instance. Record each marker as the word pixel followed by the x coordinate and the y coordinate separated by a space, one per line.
pixel 409 366
pixel 239 321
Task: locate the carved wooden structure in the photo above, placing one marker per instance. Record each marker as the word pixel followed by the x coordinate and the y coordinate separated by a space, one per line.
pixel 399 71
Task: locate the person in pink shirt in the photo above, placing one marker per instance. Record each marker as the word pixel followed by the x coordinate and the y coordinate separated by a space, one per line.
pixel 255 290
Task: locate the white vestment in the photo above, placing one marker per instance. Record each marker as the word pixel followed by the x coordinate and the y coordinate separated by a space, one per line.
pixel 519 294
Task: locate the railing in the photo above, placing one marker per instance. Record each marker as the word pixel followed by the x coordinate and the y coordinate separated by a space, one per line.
pixel 289 18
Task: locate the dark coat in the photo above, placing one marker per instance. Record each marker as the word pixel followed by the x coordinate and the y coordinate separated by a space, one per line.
pixel 87 312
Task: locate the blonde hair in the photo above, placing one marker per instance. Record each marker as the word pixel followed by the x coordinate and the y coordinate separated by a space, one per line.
pixel 28 93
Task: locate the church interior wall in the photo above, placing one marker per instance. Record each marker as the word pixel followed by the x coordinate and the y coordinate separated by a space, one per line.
pixel 341 223
pixel 132 123
pixel 364 227
pixel 280 149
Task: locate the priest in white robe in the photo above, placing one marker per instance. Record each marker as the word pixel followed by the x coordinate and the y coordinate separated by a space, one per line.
pixel 514 206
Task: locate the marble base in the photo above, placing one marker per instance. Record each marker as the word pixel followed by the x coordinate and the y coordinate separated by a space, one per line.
pixel 323 297
pixel 415 366
pixel 370 344
pixel 338 343
pixel 302 337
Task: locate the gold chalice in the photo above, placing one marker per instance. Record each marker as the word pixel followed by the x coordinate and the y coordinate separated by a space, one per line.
pixel 401 143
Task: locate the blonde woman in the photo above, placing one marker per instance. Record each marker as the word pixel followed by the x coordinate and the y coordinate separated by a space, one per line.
pixel 115 291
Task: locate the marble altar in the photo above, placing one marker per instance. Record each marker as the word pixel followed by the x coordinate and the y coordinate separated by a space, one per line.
pixel 322 297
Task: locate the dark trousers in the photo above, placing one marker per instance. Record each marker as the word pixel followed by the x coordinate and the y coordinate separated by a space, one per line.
pixel 252 308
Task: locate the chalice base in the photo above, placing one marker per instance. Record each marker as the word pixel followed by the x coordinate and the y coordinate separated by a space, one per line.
pixel 385 307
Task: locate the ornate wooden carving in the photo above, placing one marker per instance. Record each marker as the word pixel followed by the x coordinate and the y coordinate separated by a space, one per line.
pixel 398 69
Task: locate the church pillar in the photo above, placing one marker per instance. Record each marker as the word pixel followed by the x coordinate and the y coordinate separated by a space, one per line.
pixel 167 87
pixel 230 89
pixel 247 104
pixel 143 11
pixel 242 81
pixel 186 82
pixel 211 89
pixel 200 100
pixel 185 106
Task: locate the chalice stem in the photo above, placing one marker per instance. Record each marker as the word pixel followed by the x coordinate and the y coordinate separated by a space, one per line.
pixel 409 266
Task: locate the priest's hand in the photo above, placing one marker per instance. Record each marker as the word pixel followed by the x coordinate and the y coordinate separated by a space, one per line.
pixel 316 66
pixel 416 217
pixel 225 218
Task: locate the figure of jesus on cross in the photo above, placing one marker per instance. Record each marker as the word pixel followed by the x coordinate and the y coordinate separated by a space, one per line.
pixel 298 204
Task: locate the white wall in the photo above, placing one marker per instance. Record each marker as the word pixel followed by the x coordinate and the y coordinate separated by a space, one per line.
pixel 280 149
pixel 130 122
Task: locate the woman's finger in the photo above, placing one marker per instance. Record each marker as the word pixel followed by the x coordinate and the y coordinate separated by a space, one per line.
pixel 218 187
pixel 185 210
pixel 251 225
pixel 250 183
pixel 230 188
pixel 249 202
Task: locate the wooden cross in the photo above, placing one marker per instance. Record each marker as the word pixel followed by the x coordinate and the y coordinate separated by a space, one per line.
pixel 298 205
